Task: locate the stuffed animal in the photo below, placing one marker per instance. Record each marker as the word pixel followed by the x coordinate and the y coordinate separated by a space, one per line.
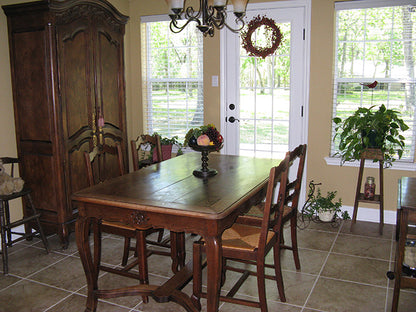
pixel 8 184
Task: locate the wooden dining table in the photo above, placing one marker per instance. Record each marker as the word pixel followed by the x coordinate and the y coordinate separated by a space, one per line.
pixel 167 195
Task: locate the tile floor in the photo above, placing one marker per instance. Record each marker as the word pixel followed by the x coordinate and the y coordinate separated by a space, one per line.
pixel 341 271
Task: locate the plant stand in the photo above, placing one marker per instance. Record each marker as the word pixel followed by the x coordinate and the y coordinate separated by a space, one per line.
pixel 378 198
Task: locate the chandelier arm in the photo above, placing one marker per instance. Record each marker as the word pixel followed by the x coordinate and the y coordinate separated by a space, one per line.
pixel 236 30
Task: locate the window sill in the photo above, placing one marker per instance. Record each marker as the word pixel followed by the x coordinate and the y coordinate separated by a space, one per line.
pixel 397 165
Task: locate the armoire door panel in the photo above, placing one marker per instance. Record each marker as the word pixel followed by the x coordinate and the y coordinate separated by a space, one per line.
pixel 109 73
pixel 75 81
pixel 29 61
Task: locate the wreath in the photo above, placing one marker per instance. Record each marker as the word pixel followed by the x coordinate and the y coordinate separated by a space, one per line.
pixel 275 37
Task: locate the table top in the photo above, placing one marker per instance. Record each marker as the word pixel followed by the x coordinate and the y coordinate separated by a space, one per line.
pixel 171 187
pixel 407 193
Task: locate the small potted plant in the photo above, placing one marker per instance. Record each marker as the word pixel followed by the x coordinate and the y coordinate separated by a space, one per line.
pixel 167 145
pixel 368 128
pixel 325 207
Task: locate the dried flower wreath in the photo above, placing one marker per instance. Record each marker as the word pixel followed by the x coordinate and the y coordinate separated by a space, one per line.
pixel 275 37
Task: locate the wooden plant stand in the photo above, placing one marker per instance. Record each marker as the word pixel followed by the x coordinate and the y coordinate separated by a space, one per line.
pixel 378 198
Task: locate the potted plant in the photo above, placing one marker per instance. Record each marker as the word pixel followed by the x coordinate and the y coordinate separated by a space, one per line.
pixel 166 146
pixel 368 128
pixel 325 207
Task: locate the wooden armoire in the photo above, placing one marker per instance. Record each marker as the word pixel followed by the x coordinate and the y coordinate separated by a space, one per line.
pixel 67 65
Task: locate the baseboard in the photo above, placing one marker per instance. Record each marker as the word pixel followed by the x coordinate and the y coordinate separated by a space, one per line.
pixel 372 214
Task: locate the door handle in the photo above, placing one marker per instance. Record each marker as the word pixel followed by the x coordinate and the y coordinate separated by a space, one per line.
pixel 232 119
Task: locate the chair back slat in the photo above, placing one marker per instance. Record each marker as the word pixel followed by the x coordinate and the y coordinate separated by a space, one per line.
pixel 99 163
pixel 297 157
pixel 273 212
pixel 141 144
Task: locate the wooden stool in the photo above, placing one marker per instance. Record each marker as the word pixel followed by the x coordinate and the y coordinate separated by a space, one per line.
pixel 370 153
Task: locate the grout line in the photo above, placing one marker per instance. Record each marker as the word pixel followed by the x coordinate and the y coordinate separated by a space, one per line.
pixel 322 268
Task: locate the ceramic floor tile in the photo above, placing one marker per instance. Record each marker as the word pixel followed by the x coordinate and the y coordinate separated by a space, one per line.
pixel 7 280
pixel 363 246
pixel 357 269
pixel 29 296
pixel 76 302
pixel 340 296
pixel 311 261
pixel 312 239
pixel 272 306
pixel 29 260
pixel 353 278
pixel 59 276
pixel 407 300
pixel 368 229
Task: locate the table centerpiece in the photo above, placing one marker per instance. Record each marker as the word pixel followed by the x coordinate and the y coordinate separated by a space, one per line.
pixel 204 139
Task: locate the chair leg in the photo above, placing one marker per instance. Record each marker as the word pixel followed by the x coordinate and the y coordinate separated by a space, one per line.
pixel 126 250
pixel 160 235
pixel 42 234
pixel 294 237
pixel 3 239
pixel 278 272
pixel 261 285
pixel 7 222
pixel 197 275
pixel 142 257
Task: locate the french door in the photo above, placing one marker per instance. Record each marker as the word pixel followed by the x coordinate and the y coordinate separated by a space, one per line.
pixel 264 102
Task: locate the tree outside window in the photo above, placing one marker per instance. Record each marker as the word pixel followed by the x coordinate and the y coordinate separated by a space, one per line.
pixel 376 44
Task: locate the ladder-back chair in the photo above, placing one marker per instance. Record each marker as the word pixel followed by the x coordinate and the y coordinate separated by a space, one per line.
pixel 250 244
pixel 30 216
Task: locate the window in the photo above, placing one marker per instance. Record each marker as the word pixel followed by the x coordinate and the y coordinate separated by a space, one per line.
pixel 172 78
pixel 375 41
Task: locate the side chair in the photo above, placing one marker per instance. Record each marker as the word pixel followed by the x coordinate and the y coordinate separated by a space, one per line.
pixel 147 150
pixel 296 162
pixel 250 244
pixel 97 168
pixel 30 217
pixel 141 148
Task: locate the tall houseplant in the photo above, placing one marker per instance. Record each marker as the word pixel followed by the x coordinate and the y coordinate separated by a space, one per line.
pixel 369 128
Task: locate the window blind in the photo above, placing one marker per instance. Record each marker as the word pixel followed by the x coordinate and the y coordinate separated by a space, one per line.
pixel 172 67
pixel 375 41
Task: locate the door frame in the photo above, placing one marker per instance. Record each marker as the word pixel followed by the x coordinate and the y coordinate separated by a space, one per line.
pixel 306 4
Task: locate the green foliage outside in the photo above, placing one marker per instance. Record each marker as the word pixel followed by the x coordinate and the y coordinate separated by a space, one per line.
pixel 376 44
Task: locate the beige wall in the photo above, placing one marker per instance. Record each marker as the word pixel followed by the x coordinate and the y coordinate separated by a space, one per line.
pixel 338 178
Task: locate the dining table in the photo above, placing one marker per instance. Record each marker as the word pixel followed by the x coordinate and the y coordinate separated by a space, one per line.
pixel 168 195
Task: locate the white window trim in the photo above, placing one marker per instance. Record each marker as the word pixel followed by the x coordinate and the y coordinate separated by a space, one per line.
pixel 347 5
pixel 397 165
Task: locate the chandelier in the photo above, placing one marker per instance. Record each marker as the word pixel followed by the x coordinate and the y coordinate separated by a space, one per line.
pixel 211 14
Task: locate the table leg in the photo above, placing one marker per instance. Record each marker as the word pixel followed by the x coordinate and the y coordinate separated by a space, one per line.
pixel 214 266
pixel 82 228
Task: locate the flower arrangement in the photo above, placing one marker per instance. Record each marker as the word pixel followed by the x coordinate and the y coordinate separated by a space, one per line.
pixel 204 136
